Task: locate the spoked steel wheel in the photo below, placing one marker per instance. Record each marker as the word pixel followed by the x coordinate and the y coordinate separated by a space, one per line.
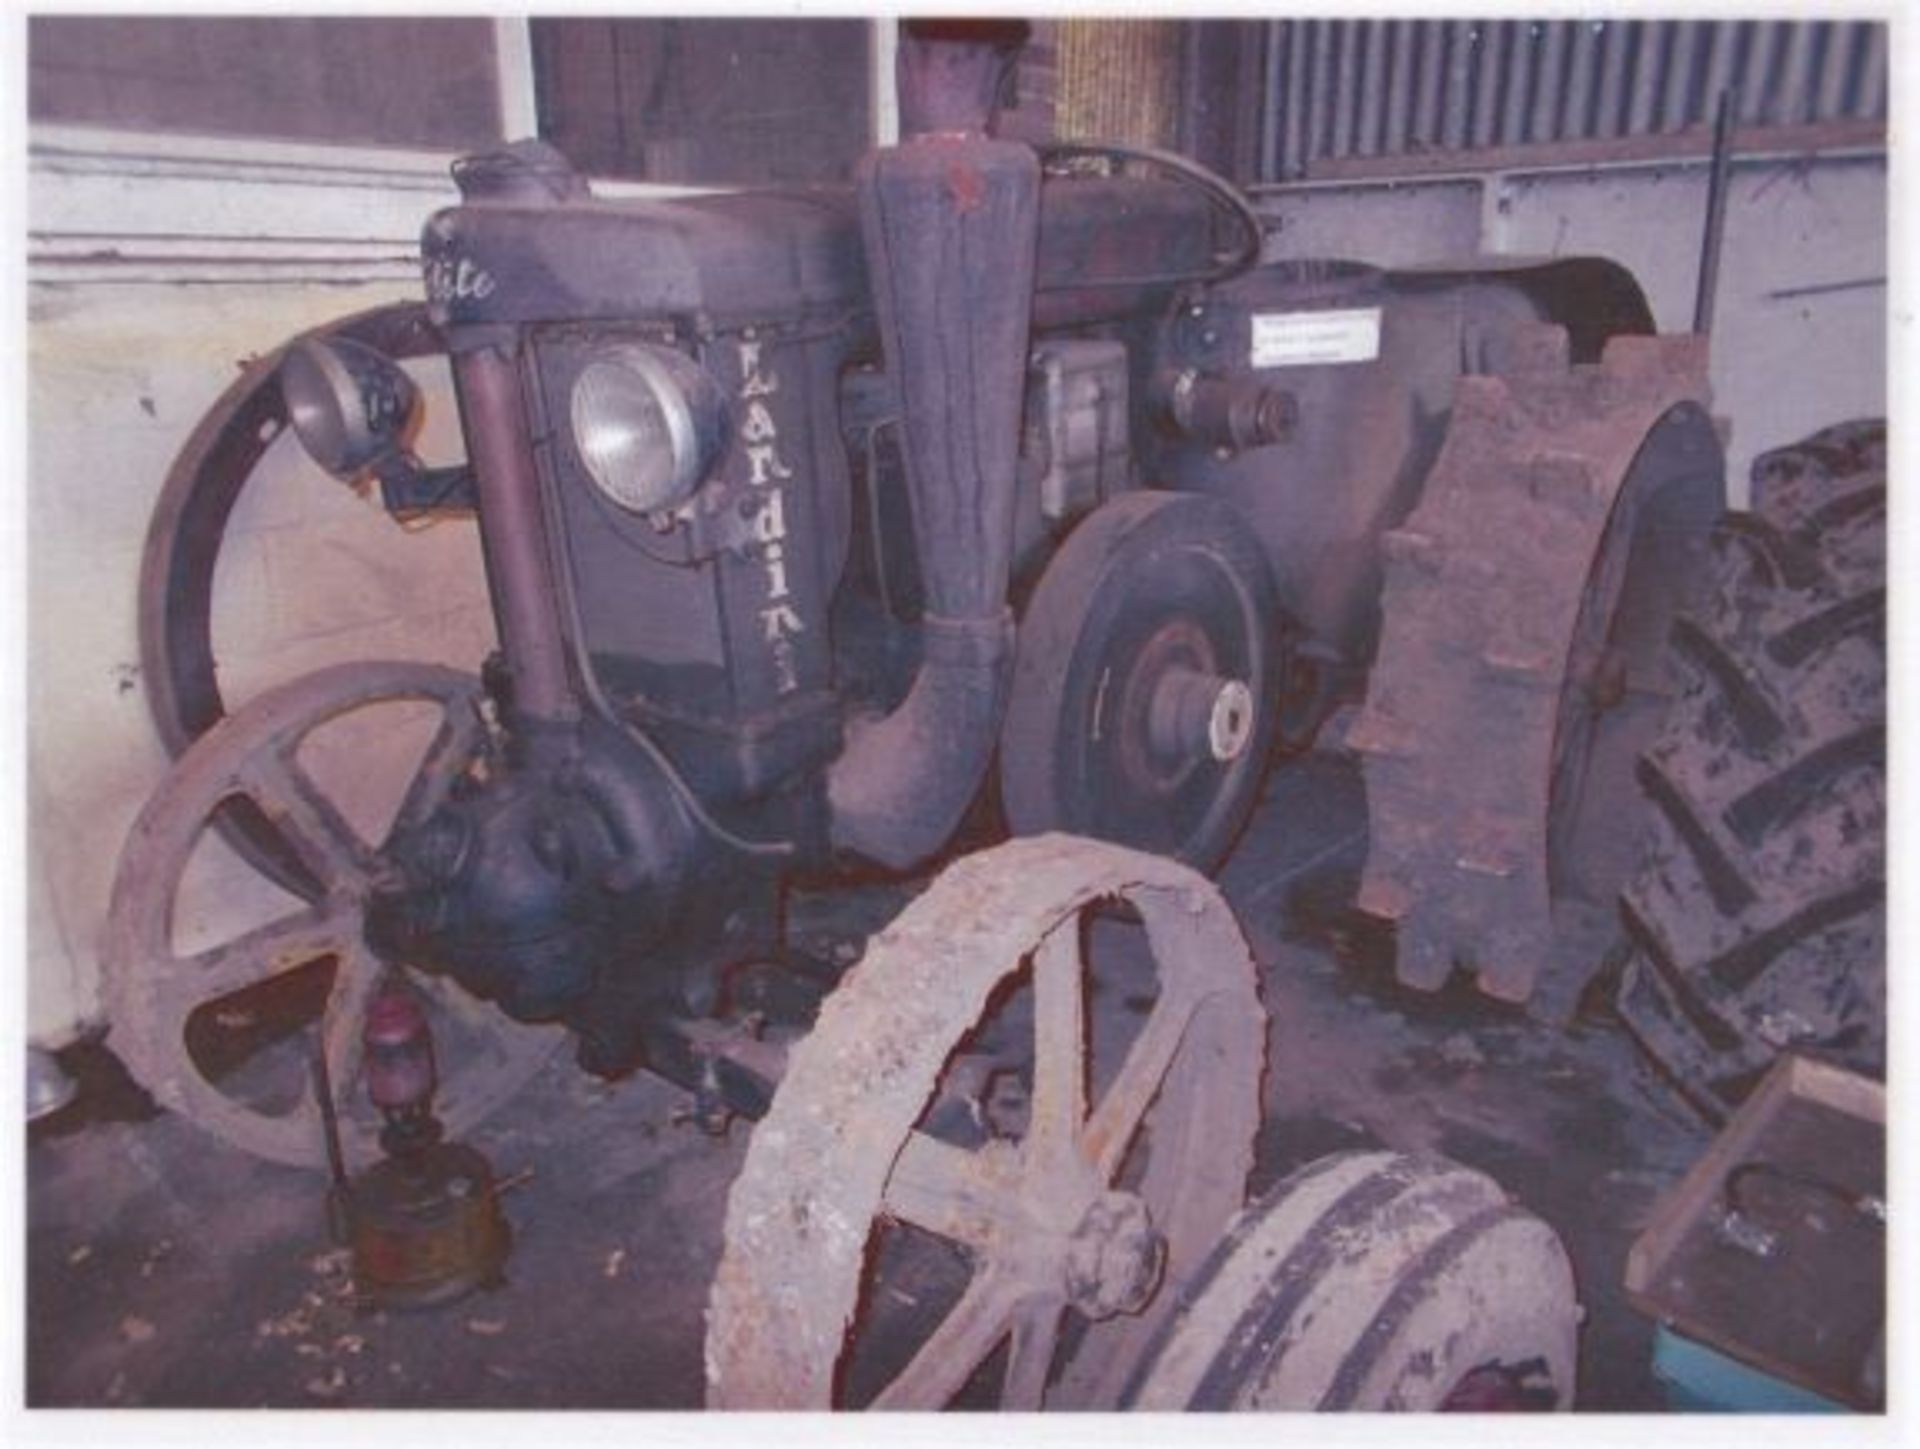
pixel 1369 1281
pixel 1143 694
pixel 222 988
pixel 1072 1232
pixel 184 540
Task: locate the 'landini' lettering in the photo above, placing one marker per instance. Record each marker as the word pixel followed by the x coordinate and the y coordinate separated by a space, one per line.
pixel 780 621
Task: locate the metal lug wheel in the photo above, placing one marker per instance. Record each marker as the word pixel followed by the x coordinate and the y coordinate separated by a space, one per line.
pixel 1132 1157
pixel 1370 1281
pixel 221 987
pixel 1143 693
pixel 1521 665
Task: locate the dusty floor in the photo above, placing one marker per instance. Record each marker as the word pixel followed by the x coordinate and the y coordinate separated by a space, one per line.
pixel 165 1269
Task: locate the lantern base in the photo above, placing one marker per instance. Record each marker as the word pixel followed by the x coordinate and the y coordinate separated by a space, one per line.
pixel 426 1228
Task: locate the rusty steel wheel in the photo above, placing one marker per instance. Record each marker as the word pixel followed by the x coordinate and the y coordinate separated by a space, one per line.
pixel 183 545
pixel 1143 699
pixel 1371 1281
pixel 1129 1165
pixel 224 1030
pixel 1522 660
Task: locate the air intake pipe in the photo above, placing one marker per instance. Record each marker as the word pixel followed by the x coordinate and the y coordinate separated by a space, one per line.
pixel 950 222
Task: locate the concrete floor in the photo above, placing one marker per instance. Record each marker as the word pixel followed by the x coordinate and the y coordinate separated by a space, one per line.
pixel 165 1269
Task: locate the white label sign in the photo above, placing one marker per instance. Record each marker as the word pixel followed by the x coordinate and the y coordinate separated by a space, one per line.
pixel 1301 339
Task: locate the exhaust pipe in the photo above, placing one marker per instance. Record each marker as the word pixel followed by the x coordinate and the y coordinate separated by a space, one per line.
pixel 950 219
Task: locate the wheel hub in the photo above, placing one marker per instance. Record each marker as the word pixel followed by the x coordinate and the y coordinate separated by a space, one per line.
pixel 1195 713
pixel 1114 1257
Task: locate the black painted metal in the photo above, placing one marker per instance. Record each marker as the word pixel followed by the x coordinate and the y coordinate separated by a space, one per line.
pixel 951 225
pixel 1716 226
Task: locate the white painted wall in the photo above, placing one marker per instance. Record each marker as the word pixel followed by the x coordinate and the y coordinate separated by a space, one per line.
pixel 1800 333
pixel 153 273
pixel 1788 356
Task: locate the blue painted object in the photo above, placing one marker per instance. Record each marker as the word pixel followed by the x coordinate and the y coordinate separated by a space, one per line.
pixel 1702 1381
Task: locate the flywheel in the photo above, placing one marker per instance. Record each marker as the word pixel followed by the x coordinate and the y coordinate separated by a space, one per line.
pixel 1522 664
pixel 223 988
pixel 1066 1231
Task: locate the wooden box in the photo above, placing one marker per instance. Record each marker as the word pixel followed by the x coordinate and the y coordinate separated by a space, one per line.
pixel 1807 1156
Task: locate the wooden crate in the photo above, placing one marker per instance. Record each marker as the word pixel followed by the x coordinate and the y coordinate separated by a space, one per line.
pixel 1813 1312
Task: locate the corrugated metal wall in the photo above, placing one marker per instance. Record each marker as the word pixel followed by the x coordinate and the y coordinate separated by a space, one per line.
pixel 1346 88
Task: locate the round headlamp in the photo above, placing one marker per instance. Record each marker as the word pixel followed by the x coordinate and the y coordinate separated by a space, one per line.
pixel 647 424
pixel 349 404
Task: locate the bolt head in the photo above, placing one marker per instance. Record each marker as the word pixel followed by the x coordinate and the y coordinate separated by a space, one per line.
pixel 1115 1258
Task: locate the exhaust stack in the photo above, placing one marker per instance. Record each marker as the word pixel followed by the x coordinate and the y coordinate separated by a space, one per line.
pixel 950 222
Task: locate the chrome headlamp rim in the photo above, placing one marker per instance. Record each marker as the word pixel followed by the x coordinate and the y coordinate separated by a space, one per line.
pixel 674 387
pixel 347 403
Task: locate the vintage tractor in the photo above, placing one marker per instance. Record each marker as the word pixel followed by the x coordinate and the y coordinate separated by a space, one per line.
pixel 802 508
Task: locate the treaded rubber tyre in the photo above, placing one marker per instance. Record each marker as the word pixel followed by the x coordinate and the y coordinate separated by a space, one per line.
pixel 1757 914
pixel 1372 1281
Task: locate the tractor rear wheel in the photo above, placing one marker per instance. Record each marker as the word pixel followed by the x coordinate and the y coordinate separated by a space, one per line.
pixel 1521 668
pixel 1758 911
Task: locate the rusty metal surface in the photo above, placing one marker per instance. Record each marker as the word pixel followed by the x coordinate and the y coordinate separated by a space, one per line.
pixel 950 73
pixel 1499 645
pixel 520 566
pixel 1370 1281
pixel 152 989
pixel 1045 1221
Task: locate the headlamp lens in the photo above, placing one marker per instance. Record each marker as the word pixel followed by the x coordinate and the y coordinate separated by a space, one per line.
pixel 646 423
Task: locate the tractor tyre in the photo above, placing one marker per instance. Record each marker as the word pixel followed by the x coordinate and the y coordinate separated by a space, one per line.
pixel 1371 1281
pixel 1757 914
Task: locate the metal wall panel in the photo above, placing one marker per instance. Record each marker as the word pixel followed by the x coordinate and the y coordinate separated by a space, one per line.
pixel 1346 88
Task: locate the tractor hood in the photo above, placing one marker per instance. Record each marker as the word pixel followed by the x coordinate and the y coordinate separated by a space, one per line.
pixel 762 255
pixel 1108 246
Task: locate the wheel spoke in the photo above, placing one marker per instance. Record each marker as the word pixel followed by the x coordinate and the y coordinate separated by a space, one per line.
pixel 452 750
pixel 1059 1046
pixel 1036 1332
pixel 1115 1120
pixel 329 846
pixel 962 1195
pixel 271 950
pixel 955 1349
